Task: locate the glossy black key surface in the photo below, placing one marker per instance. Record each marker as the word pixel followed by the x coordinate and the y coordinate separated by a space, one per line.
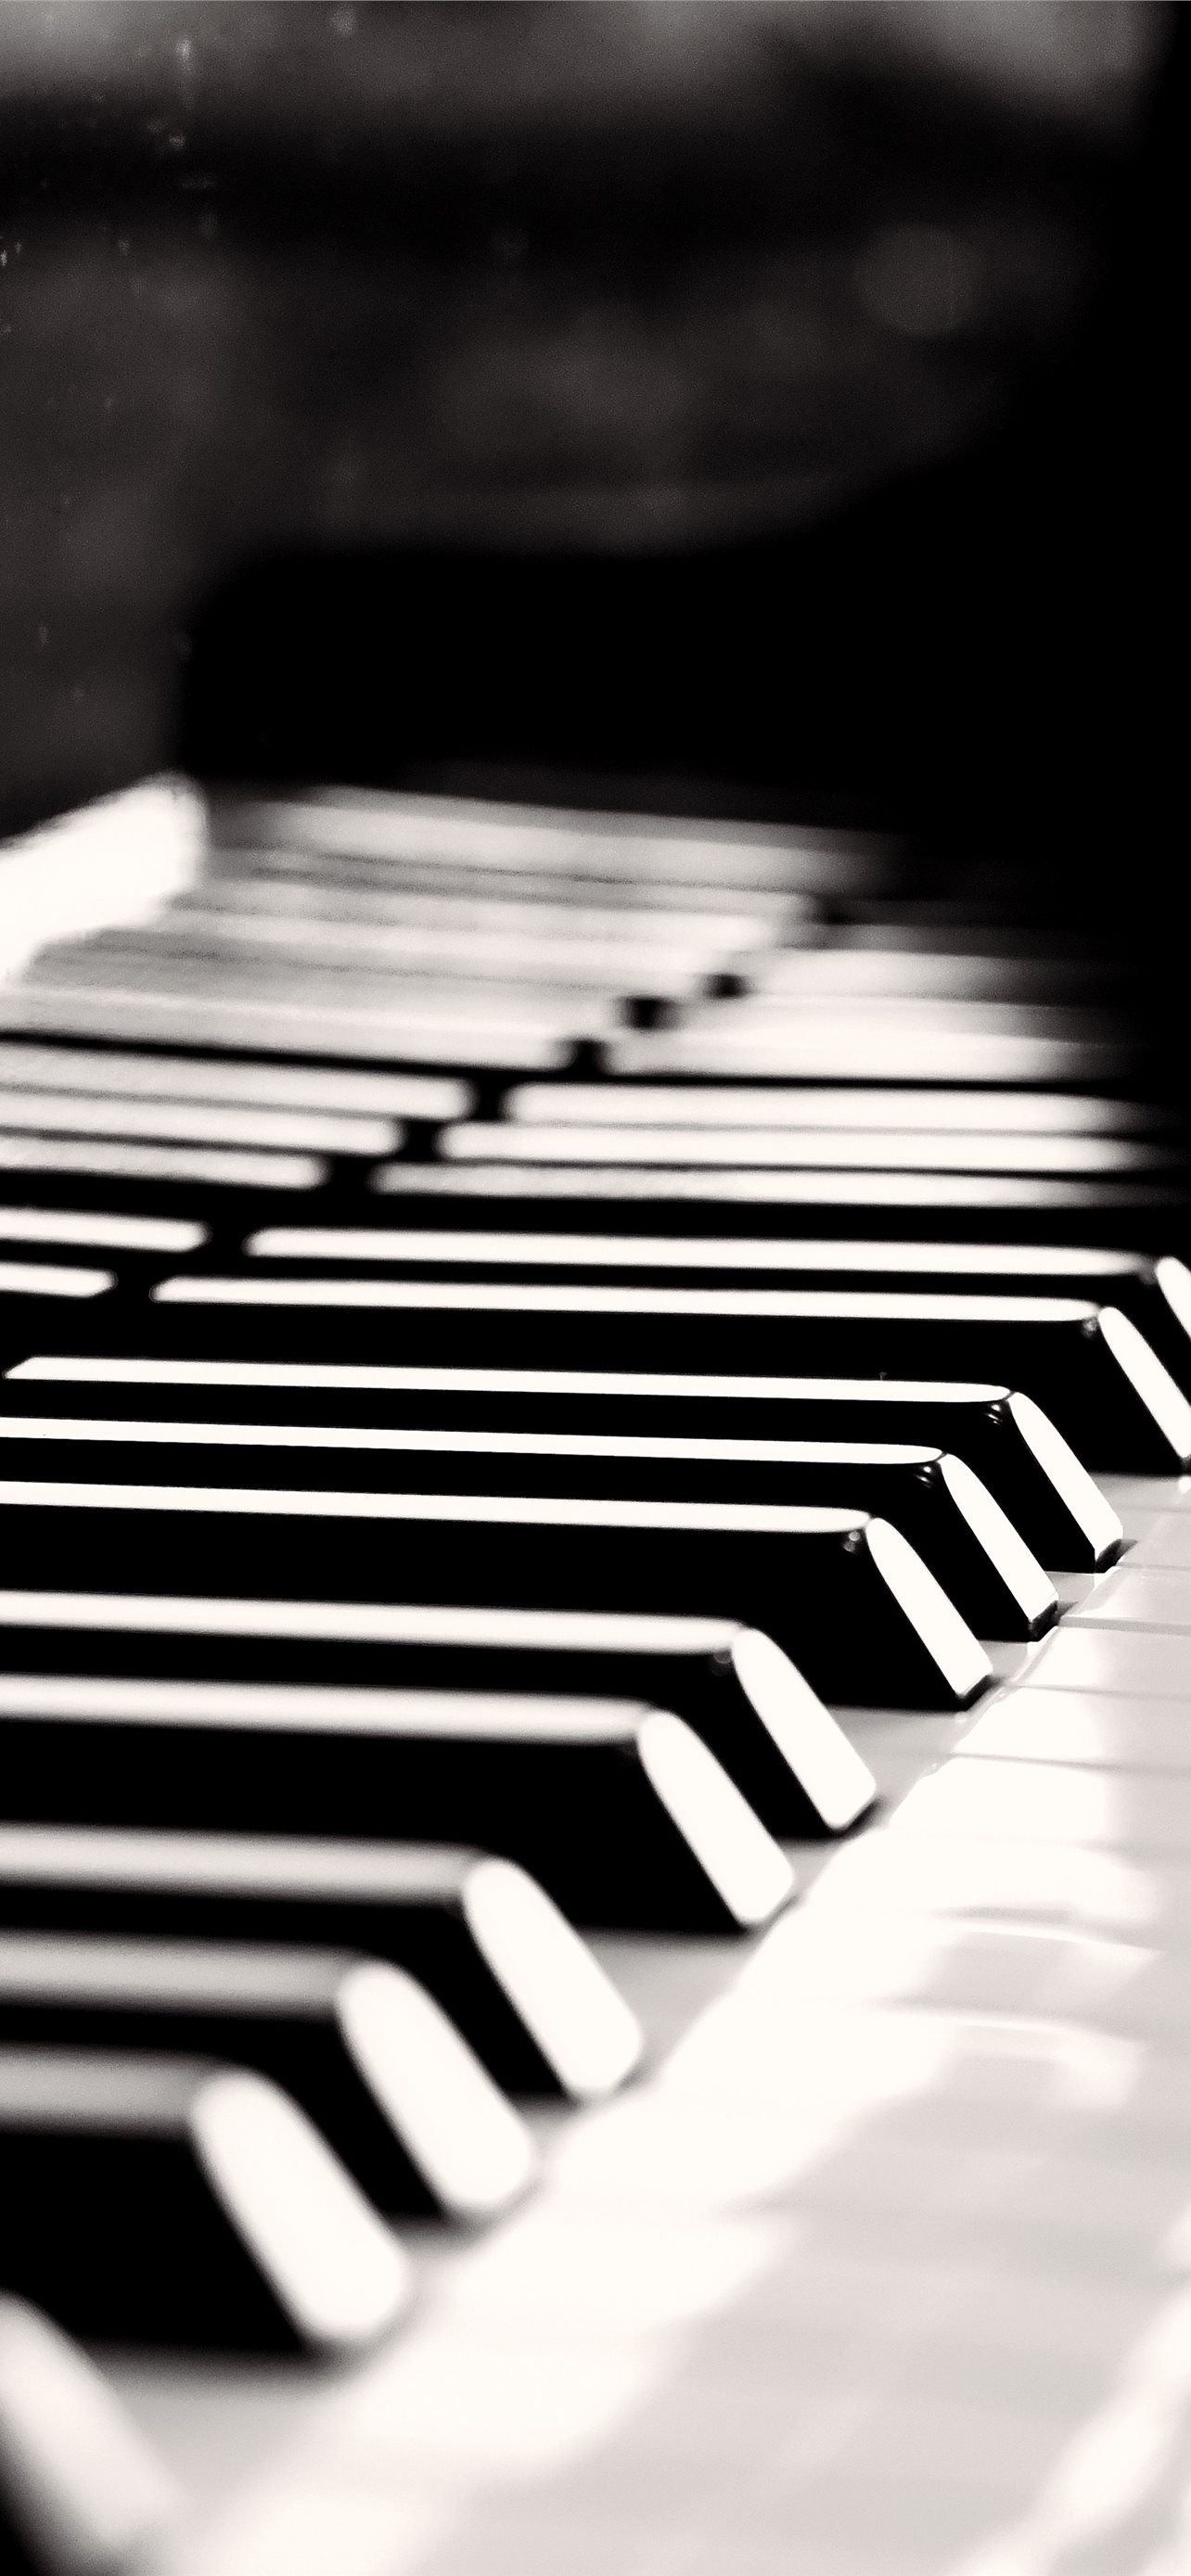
pixel 844 1593
pixel 478 1933
pixel 619 1811
pixel 1005 1438
pixel 1088 1365
pixel 763 1722
pixel 960 1532
pixel 173 2200
pixel 80 2489
pixel 356 2043
pixel 1155 1294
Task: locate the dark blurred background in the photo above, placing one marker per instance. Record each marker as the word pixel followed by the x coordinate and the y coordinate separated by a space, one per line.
pixel 763 408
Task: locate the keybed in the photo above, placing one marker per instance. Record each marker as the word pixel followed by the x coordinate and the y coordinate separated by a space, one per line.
pixel 593 1662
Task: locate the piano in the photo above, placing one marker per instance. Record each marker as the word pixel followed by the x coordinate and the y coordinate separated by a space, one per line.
pixel 595 1858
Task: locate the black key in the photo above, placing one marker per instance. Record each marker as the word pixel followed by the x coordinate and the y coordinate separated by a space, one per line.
pixel 356 2043
pixel 935 1500
pixel 173 2200
pixel 34 1294
pixel 843 1593
pixel 80 2491
pixel 1005 1438
pixel 747 1200
pixel 620 1812
pixel 1088 1365
pixel 736 1688
pixel 1155 1294
pixel 486 1942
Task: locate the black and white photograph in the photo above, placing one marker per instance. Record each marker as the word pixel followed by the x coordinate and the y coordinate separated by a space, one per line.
pixel 595 1288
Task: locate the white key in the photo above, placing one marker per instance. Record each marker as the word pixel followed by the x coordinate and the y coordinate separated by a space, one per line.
pixel 625 1104
pixel 1167 1542
pixel 119 1161
pixel 1053 1803
pixel 197 1122
pixel 1140 1597
pixel 1127 1662
pixel 1095 1729
pixel 828 1148
pixel 255 1084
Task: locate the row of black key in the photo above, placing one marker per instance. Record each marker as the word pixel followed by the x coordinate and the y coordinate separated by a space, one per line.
pixel 165 1710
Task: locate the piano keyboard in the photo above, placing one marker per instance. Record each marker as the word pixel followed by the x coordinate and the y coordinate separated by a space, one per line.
pixel 595 1890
